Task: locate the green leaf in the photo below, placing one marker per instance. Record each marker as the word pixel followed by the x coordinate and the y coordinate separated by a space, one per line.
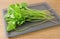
pixel 11 26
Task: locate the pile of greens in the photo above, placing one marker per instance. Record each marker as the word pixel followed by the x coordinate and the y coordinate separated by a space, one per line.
pixel 20 13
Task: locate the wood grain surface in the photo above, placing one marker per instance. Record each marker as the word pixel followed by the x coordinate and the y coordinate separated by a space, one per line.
pixel 48 33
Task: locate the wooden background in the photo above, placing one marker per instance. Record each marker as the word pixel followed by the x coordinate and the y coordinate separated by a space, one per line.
pixel 49 33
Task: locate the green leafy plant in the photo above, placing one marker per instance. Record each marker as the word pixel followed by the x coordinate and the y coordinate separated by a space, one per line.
pixel 20 13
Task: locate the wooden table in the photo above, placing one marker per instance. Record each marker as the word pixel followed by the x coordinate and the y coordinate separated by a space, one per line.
pixel 49 33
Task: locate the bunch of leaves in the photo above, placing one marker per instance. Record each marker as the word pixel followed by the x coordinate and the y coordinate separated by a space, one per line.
pixel 20 13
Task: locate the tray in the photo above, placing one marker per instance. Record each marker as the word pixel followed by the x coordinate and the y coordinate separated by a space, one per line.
pixel 38 6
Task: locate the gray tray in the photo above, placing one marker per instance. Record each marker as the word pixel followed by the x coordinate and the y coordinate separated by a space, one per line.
pixel 39 6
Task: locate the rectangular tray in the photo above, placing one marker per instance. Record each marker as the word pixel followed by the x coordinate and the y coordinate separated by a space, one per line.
pixel 39 6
